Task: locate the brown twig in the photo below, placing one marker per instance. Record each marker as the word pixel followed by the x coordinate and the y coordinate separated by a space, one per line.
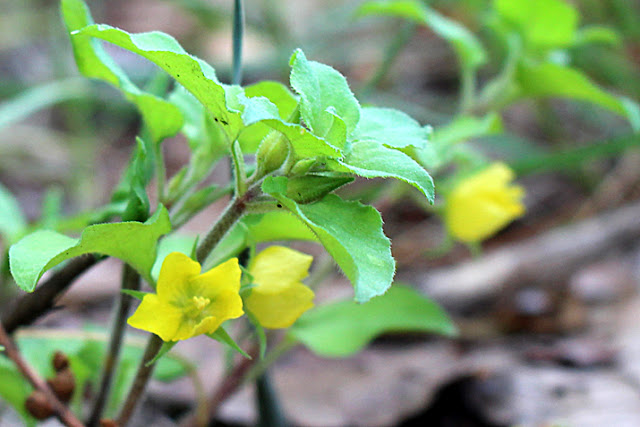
pixel 60 410
pixel 140 382
pixel 31 306
pixel 227 387
pixel 547 259
pixel 130 281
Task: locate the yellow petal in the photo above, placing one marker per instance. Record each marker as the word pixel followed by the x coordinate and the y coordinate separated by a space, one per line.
pixel 279 309
pixel 224 277
pixel 483 204
pixel 189 328
pixel 155 316
pixel 175 275
pixel 226 305
pixel 277 267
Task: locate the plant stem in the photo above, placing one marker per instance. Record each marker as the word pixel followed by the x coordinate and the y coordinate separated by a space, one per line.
pixel 229 217
pixel 238 34
pixel 161 174
pixel 229 385
pixel 33 305
pixel 61 411
pixel 467 89
pixel 145 369
pixel 130 281
pixel 286 344
pixel 390 54
pixel 269 408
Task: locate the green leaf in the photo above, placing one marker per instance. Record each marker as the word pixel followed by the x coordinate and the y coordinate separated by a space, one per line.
pixel 280 96
pixel 129 199
pixel 593 34
pixel 574 158
pixel 277 225
pixel 51 209
pixel 440 151
pixel 136 179
pixel 174 242
pixel 324 92
pixel 132 242
pixel 206 140
pixel 390 127
pixel 469 50
pixel 222 336
pixel 162 118
pixel 194 74
pixel 544 24
pixel 40 97
pixel 14 390
pixel 139 295
pixel 464 128
pixel 12 221
pixel 166 348
pixel 344 328
pixel 260 110
pixel 552 80
pixel 351 233
pixel 371 160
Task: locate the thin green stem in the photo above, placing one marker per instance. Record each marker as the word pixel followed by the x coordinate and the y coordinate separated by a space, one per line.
pixel 323 268
pixel 257 370
pixel 390 54
pixel 239 171
pixel 467 89
pixel 498 92
pixel 181 213
pixel 161 174
pixel 238 34
pixel 226 388
pixel 130 281
pixel 145 369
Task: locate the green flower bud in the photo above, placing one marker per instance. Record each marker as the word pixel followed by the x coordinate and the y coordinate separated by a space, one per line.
pixel 311 188
pixel 302 166
pixel 272 153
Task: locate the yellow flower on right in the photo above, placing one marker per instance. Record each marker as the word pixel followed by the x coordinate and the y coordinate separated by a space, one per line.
pixel 483 203
pixel 279 296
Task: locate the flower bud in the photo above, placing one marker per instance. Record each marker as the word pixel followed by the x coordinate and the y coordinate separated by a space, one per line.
pixel 60 361
pixel 272 153
pixel 63 385
pixel 311 188
pixel 38 405
pixel 302 166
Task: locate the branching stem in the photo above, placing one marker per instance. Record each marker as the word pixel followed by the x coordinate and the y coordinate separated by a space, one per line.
pixel 31 306
pixel 61 411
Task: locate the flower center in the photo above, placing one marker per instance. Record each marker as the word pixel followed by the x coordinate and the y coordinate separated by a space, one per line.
pixel 200 302
pixel 196 306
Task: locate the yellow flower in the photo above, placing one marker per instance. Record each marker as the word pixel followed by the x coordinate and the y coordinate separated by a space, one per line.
pixel 484 203
pixel 279 297
pixel 188 303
